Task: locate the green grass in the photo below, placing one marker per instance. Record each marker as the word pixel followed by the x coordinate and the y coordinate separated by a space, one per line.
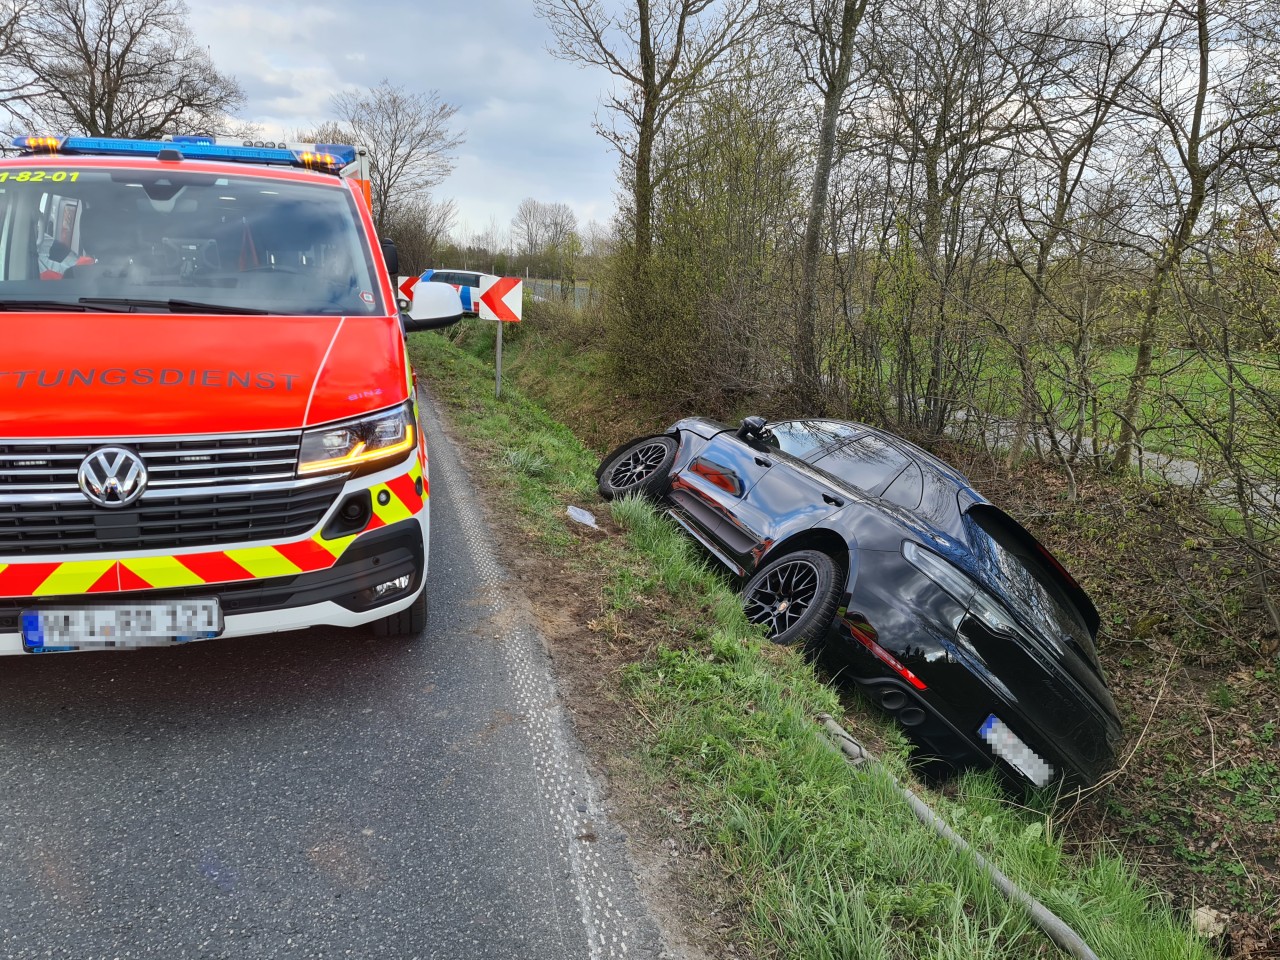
pixel 1179 379
pixel 827 862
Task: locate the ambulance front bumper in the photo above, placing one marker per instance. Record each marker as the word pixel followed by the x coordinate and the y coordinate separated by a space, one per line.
pixel 365 559
pixel 381 573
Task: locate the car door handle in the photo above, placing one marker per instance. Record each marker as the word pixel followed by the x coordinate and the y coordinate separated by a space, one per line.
pixel 834 501
pixel 763 462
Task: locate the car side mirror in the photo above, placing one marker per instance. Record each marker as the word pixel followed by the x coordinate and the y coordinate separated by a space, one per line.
pixel 391 257
pixel 434 305
pixel 751 427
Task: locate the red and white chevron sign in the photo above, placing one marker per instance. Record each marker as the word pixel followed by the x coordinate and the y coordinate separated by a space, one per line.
pixel 501 298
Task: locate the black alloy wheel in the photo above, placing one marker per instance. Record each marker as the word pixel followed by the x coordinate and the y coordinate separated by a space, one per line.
pixel 641 468
pixel 794 597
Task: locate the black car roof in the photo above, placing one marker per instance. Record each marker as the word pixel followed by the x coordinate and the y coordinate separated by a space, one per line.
pixel 967 496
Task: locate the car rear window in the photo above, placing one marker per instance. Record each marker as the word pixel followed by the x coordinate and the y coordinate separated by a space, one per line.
pixel 1013 561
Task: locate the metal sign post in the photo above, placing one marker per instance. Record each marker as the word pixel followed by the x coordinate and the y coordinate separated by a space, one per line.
pixel 497 390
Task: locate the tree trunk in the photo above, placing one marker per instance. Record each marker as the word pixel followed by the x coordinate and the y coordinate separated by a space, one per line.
pixel 646 133
pixel 808 362
pixel 642 191
pixel 1198 173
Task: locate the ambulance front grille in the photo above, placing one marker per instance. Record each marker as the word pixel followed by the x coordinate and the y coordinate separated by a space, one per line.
pixel 32 467
pixel 213 518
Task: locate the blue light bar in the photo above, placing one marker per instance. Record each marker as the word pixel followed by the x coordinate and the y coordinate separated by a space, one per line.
pixel 111 147
pixel 327 157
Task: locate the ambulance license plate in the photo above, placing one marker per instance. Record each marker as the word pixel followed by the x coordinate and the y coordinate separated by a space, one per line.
pixel 120 627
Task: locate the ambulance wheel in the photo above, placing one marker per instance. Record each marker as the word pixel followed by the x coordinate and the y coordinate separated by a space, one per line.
pixel 405 625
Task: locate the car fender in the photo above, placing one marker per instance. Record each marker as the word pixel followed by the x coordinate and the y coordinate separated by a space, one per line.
pixel 821 537
pixel 902 612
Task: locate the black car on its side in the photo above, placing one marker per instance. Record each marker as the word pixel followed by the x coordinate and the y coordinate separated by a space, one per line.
pixel 954 618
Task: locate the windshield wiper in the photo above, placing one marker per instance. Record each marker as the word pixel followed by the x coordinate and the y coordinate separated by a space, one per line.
pixel 173 306
pixel 80 307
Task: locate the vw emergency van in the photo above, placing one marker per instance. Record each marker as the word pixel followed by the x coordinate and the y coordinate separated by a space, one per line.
pixel 208 424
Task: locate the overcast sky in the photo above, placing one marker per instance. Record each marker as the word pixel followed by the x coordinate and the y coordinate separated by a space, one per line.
pixel 527 116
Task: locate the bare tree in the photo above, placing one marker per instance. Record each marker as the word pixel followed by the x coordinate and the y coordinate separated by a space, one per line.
pixel 420 227
pixel 823 33
pixel 409 138
pixel 598 240
pixel 547 237
pixel 14 88
pixel 128 68
pixel 1212 118
pixel 562 223
pixel 1073 70
pixel 943 106
pixel 529 226
pixel 663 52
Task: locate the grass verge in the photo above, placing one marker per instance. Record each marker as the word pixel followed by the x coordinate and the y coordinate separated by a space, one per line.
pixel 823 862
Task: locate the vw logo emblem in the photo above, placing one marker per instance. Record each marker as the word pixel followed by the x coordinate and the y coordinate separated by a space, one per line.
pixel 112 477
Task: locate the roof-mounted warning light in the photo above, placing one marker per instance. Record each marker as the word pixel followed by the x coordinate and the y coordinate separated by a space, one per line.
pixel 324 157
pixel 38 144
pixel 328 162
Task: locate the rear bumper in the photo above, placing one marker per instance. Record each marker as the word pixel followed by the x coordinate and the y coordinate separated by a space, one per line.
pixel 945 719
pixel 341 595
pixel 939 739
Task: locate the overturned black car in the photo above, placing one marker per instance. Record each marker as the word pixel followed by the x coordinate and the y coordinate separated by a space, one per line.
pixel 955 619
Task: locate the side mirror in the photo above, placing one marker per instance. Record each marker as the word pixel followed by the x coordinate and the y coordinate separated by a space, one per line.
pixel 751 427
pixel 435 305
pixel 391 257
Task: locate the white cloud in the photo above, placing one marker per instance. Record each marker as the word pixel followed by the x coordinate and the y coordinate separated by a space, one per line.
pixel 527 116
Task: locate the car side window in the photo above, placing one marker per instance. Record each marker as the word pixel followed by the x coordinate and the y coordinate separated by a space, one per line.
pixel 907 489
pixel 867 463
pixel 802 437
pixel 456 278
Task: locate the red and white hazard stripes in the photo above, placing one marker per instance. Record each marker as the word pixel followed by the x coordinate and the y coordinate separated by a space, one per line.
pixel 397 499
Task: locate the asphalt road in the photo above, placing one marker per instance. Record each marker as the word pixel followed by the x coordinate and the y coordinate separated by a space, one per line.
pixel 317 794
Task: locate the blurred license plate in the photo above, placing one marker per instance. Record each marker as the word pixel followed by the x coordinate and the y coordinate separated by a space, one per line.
pixel 139 625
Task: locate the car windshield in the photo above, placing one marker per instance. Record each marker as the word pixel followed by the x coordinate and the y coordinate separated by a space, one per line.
pixel 802 437
pixel 164 240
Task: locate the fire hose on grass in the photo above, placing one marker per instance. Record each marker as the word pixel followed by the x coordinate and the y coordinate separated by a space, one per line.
pixel 1053 926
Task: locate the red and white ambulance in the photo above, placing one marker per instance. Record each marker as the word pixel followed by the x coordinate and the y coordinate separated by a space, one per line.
pixel 207 416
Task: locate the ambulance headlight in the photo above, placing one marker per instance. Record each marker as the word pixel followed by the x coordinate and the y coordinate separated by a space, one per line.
pixel 362 444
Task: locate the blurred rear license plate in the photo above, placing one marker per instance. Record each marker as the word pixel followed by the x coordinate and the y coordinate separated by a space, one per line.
pixel 137 625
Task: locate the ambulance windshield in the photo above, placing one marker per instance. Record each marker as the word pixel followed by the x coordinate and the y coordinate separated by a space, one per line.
pixel 150 236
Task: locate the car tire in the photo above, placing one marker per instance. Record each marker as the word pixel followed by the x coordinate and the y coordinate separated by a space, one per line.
pixel 794 597
pixel 405 625
pixel 640 468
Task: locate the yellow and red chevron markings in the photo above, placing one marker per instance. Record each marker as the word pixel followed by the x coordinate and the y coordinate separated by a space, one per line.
pixel 77 577
pixel 404 500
